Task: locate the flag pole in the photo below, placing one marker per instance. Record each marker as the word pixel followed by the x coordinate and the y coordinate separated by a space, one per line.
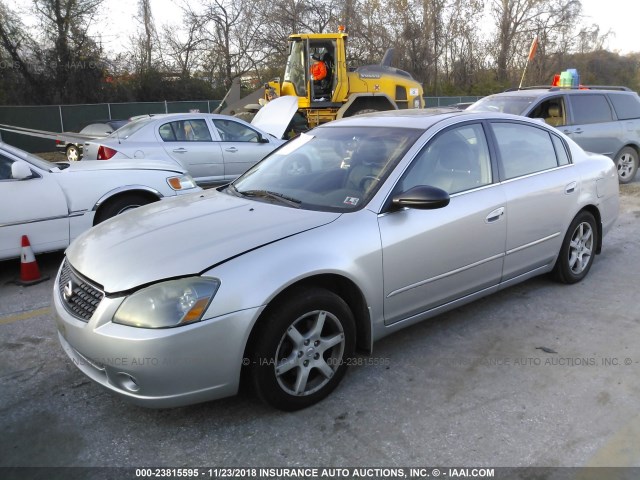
pixel 532 52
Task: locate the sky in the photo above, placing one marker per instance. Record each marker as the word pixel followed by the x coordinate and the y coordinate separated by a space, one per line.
pixel 616 15
pixel 619 16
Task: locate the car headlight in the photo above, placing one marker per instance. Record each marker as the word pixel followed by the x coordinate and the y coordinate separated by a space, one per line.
pixel 168 304
pixel 182 182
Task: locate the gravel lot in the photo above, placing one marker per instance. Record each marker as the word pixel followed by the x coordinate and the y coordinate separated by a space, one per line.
pixel 470 387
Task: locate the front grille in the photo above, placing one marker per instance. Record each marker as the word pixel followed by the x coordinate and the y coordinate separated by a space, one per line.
pixel 79 297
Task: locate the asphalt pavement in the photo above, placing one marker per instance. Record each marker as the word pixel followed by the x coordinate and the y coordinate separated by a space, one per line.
pixel 478 386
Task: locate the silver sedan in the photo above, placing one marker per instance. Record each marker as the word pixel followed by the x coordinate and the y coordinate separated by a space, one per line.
pixel 346 234
pixel 212 148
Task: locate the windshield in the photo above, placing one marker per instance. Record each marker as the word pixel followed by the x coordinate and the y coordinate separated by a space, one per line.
pixel 130 128
pixel 31 158
pixel 515 104
pixel 336 169
pixel 295 72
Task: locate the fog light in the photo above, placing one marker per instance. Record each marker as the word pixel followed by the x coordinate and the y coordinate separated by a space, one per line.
pixel 127 382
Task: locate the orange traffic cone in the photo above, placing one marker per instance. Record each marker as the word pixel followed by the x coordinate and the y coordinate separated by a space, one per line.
pixel 29 271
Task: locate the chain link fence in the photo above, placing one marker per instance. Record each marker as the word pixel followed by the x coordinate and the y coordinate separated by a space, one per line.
pixel 72 118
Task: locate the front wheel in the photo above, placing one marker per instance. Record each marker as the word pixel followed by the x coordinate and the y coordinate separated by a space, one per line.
pixel 578 249
pixel 120 205
pixel 302 349
pixel 627 164
pixel 364 111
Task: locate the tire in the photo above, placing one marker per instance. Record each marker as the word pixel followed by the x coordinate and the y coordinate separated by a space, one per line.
pixel 120 205
pixel 578 249
pixel 627 163
pixel 73 153
pixel 364 110
pixel 302 348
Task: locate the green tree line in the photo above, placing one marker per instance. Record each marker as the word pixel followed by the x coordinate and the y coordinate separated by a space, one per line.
pixel 454 47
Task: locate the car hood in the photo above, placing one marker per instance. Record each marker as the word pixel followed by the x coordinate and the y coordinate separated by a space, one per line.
pixel 275 116
pixel 182 236
pixel 137 164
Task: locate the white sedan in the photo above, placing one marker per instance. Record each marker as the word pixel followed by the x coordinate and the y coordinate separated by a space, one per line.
pixel 53 203
pixel 214 149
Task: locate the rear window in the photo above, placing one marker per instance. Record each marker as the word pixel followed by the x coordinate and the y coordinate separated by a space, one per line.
pixel 131 128
pixel 515 104
pixel 590 109
pixel 626 105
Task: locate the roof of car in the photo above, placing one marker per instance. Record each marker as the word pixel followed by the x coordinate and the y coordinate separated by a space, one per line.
pixel 538 91
pixel 412 118
pixel 422 118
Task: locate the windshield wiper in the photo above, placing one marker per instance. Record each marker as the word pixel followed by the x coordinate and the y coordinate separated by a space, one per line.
pixel 292 202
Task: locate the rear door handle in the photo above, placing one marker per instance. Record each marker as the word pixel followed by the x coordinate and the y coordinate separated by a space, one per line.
pixel 231 149
pixel 495 215
pixel 180 150
pixel 570 188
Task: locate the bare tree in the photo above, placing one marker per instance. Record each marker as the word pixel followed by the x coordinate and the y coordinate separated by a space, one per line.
pixel 185 48
pixel 148 36
pixel 68 47
pixel 17 47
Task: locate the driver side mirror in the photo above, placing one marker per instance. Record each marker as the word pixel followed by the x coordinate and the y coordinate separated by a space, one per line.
pixel 262 139
pixel 21 170
pixel 422 197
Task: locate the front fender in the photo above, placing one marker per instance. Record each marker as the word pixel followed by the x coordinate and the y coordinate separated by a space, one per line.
pixel 348 247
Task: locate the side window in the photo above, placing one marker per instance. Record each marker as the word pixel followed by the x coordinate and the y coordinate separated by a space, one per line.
pixel 5 168
pixel 561 151
pixel 552 111
pixel 524 149
pixel 590 109
pixel 455 161
pixel 626 105
pixel 194 130
pixel 167 133
pixel 231 131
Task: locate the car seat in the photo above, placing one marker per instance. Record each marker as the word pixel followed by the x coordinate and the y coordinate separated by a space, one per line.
pixel 366 165
pixel 456 169
pixel 554 116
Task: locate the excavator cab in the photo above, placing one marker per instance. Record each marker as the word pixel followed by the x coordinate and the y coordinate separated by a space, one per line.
pixel 298 81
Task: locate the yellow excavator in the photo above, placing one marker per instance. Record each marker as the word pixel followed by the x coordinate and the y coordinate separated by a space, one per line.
pixel 343 92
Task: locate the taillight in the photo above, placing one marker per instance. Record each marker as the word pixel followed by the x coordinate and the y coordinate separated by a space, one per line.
pixel 59 142
pixel 105 153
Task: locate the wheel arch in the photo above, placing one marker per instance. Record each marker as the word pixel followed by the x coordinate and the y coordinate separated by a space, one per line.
pixel 593 210
pixel 359 101
pixel 630 144
pixel 120 192
pixel 337 284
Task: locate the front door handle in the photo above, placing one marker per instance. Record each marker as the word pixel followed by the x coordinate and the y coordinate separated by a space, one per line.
pixel 231 149
pixel 180 150
pixel 495 215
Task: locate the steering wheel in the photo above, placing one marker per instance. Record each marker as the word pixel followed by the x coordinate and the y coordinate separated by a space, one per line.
pixel 296 165
pixel 367 182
